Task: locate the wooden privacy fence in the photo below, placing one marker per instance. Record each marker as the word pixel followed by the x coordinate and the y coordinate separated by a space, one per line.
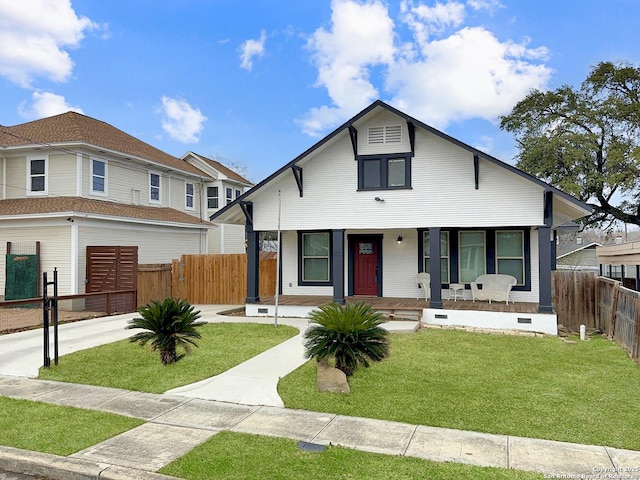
pixel 574 298
pixel 218 278
pixel 619 314
pixel 154 282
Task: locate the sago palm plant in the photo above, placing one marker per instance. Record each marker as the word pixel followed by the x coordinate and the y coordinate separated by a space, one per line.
pixel 350 334
pixel 167 325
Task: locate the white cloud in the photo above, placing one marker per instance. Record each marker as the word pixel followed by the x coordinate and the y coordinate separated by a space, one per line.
pixel 446 71
pixel 250 49
pixel 469 74
pixel 46 104
pixel 181 121
pixel 35 36
pixel 361 36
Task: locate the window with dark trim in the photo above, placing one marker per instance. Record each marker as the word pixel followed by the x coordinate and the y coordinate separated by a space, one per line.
pixel 444 255
pixel 314 255
pixel 238 193
pixel 510 254
pixel 472 252
pixel 229 192
pixel 384 172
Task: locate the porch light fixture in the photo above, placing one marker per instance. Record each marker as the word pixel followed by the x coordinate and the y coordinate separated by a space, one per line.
pixel 399 239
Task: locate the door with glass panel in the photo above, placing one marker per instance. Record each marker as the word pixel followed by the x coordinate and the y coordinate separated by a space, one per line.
pixel 366 268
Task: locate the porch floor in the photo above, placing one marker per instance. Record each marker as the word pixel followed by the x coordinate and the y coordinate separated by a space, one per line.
pixel 389 303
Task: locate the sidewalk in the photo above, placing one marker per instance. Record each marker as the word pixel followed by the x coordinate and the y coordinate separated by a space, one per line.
pixel 244 399
pixel 177 424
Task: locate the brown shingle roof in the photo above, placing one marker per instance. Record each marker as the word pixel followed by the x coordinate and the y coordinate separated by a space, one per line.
pixel 226 170
pixel 78 205
pixel 72 127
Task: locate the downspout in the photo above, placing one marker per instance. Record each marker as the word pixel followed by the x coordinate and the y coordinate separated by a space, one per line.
pixel 4 178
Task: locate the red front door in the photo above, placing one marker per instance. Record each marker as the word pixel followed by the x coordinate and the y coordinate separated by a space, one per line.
pixel 365 267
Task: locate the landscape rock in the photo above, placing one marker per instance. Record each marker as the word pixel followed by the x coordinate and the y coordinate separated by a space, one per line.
pixel 331 379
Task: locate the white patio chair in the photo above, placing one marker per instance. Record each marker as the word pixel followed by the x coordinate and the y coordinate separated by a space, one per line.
pixel 424 279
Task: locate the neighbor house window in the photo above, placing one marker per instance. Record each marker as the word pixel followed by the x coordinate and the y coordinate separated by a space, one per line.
pixel 444 255
pixel 212 197
pixel 379 172
pixel 238 193
pixel 510 253
pixel 188 190
pixel 472 255
pixel 37 175
pixel 154 187
pixel 229 195
pixel 98 177
pixel 315 257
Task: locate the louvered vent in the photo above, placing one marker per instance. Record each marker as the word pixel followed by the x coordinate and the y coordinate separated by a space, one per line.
pixel 393 134
pixel 386 134
pixel 376 135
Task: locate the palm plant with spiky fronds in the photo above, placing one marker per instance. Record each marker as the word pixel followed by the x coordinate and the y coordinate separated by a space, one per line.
pixel 167 325
pixel 350 334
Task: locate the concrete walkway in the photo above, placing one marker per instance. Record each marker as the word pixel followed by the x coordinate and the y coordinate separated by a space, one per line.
pixel 176 424
pixel 244 399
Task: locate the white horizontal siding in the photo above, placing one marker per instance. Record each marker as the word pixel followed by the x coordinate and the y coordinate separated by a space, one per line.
pixel 443 193
pixel 16 177
pixel 234 241
pixel 400 265
pixel 62 175
pixel 55 248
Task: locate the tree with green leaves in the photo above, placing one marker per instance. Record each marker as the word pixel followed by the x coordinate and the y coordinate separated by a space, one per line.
pixel 586 142
pixel 349 334
pixel 167 325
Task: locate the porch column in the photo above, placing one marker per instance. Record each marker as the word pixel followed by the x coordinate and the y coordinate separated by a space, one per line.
pixel 434 267
pixel 545 304
pixel 253 264
pixel 337 265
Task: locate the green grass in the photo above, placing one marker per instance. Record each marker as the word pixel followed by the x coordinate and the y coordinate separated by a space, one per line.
pixel 56 429
pixel 533 387
pixel 128 365
pixel 235 456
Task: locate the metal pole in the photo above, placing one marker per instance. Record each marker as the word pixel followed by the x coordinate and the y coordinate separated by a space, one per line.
pixel 54 302
pixel 45 321
pixel 277 296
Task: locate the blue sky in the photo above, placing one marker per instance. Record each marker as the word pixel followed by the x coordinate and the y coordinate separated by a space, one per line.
pixel 257 82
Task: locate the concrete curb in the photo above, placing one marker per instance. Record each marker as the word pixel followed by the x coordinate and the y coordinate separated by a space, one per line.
pixel 55 467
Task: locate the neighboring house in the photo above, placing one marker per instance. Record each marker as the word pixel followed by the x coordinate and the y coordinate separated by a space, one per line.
pixel 73 182
pixel 223 188
pixel 583 258
pixel 621 262
pixel 370 205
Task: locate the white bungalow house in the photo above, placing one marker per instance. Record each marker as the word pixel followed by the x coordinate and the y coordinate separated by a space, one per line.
pixel 366 209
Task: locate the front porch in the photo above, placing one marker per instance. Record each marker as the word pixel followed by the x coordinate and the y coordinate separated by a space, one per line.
pixel 498 315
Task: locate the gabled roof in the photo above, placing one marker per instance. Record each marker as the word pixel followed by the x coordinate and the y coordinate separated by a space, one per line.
pixel 584 247
pixel 226 171
pixel 46 206
pixel 380 104
pixel 75 128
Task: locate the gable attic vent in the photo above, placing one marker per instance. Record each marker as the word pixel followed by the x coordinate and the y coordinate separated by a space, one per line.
pixel 385 134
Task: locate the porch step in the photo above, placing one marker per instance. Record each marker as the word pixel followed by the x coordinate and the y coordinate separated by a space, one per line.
pixel 404 313
pixel 401 326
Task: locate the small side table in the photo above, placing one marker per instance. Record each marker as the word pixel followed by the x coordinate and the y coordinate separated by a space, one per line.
pixel 456 291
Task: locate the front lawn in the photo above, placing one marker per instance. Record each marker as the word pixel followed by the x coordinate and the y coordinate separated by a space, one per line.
pixel 129 366
pixel 524 386
pixel 56 429
pixel 236 456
